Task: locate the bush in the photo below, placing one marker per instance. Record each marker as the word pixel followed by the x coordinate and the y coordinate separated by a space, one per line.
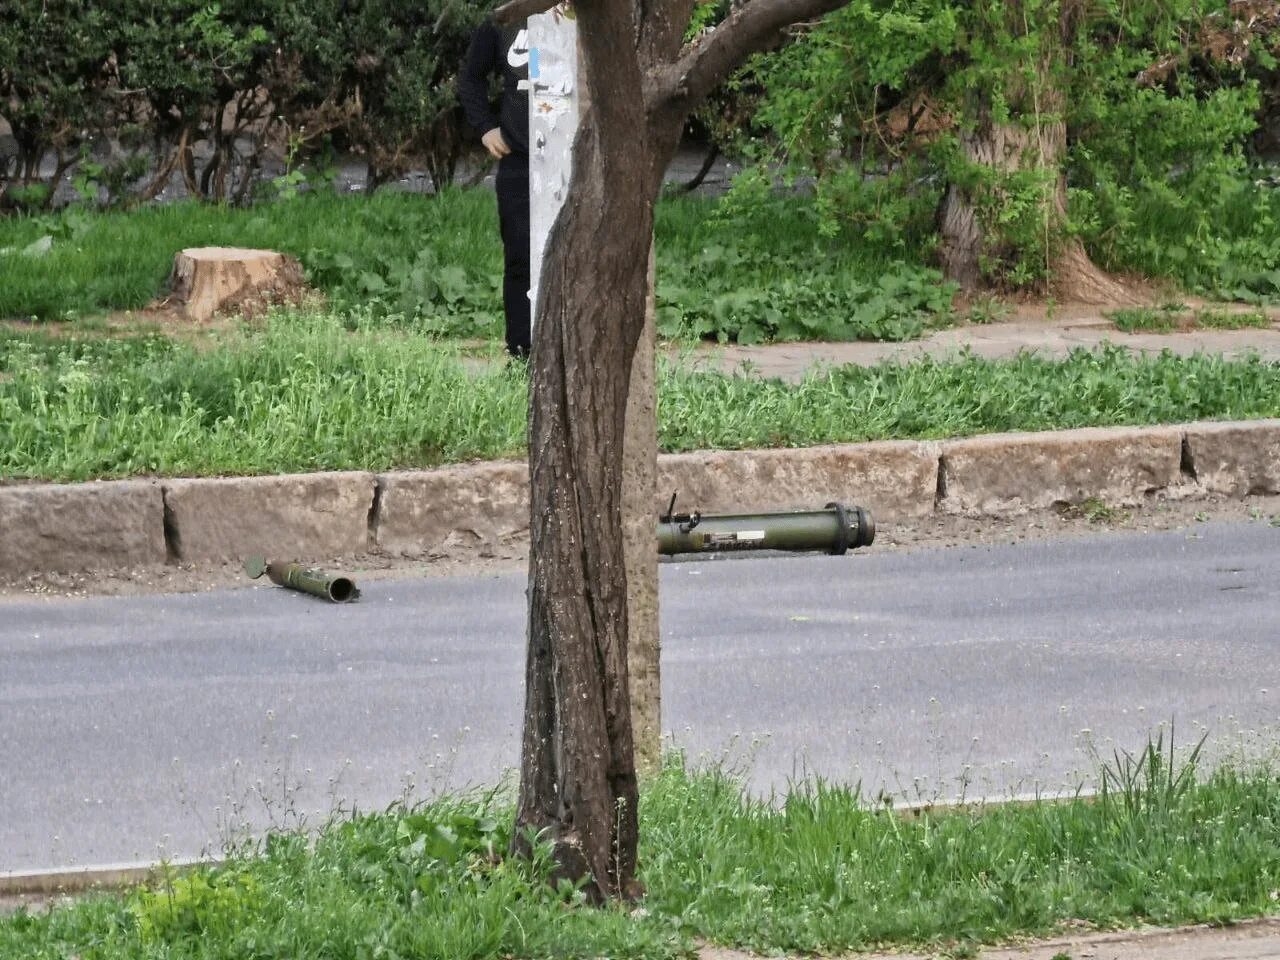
pixel 128 94
pixel 1162 183
pixel 52 80
pixel 891 105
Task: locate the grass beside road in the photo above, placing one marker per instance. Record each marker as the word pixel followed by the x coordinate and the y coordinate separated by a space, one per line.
pixel 302 392
pixel 434 264
pixel 819 870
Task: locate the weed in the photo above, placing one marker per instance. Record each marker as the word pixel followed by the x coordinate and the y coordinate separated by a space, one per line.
pixel 1169 317
pixel 1138 787
pixel 1232 320
pixel 303 392
pixel 988 309
pixel 1145 319
pixel 1094 510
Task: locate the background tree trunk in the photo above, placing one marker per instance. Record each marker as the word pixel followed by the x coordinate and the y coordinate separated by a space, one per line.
pixel 973 250
pixel 970 247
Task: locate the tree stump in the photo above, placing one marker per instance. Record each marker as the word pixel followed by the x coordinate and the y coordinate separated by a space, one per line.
pixel 208 281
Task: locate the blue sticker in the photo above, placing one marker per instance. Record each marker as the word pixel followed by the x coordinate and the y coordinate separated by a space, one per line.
pixel 534 71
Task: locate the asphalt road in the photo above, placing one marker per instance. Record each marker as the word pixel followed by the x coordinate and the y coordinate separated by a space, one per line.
pixel 148 726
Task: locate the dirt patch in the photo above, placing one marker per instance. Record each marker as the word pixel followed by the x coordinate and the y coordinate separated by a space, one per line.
pixel 937 531
pixel 160 318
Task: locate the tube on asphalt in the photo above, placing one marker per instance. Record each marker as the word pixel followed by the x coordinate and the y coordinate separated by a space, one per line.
pixel 294 576
pixel 834 529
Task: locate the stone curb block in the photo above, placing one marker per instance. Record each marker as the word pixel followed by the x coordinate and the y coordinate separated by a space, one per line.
pixel 291 517
pixel 82 526
pixel 425 511
pixel 1235 458
pixel 1010 473
pixel 73 880
pixel 120 524
pixel 895 480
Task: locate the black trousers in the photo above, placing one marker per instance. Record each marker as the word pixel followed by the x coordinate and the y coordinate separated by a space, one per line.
pixel 513 216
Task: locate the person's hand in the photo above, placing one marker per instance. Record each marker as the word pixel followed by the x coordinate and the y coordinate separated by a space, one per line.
pixel 495 144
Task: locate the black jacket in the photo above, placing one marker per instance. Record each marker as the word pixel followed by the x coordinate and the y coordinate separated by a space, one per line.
pixel 495 50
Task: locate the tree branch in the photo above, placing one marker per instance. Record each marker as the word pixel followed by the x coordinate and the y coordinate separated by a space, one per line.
pixel 752 27
pixel 514 10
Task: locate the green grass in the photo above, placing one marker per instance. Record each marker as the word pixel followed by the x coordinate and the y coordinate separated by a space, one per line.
pixel 818 870
pixel 355 248
pixel 1232 320
pixel 302 392
pixel 1168 318
pixel 434 265
pixel 1146 319
pixel 1096 511
pixel 765 272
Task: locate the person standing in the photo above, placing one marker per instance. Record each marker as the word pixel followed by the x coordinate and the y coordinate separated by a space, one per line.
pixel 504 51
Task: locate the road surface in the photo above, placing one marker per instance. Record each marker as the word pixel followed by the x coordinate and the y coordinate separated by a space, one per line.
pixel 134 728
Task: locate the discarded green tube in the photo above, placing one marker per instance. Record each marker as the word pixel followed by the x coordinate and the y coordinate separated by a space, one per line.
pixel 834 529
pixel 294 576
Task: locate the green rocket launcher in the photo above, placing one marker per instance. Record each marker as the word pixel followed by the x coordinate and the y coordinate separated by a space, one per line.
pixel 295 576
pixel 833 529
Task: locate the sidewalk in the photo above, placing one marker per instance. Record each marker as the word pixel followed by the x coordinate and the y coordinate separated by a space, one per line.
pixel 1073 328
pixel 1251 940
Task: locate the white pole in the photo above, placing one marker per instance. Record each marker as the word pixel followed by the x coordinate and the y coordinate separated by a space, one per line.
pixel 553 123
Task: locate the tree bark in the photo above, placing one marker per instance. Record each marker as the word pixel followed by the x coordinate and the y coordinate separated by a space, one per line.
pixel 578 780
pixel 639 497
pixel 971 250
pixel 578 788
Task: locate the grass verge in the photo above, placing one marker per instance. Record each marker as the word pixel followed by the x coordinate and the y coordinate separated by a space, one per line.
pixel 1169 318
pixel 817 870
pixel 434 264
pixel 304 393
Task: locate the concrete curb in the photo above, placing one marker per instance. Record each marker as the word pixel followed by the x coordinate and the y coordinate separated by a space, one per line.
pixel 1011 473
pixel 296 515
pixel 76 880
pixel 324 516
pixel 76 526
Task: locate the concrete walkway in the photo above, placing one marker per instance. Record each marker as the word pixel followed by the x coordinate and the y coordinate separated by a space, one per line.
pixel 1070 329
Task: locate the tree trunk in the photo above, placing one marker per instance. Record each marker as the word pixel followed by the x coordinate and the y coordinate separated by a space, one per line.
pixel 972 251
pixel 578 781
pixel 977 248
pixel 639 496
pixel 577 775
